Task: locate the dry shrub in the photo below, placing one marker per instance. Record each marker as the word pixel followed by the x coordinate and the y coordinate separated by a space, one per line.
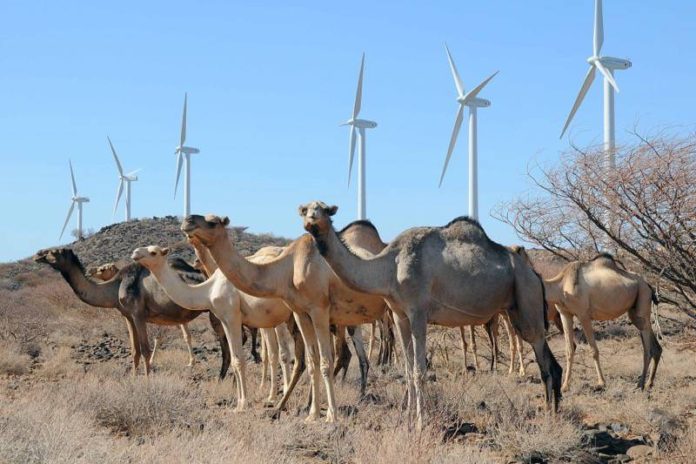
pixel 12 360
pixel 58 365
pixel 139 406
pixel 40 430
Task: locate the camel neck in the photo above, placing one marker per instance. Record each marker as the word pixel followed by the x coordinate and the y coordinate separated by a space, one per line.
pixel 204 256
pixel 363 275
pixel 193 297
pixel 103 295
pixel 259 280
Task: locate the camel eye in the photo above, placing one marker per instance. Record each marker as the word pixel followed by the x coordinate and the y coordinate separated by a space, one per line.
pixel 152 253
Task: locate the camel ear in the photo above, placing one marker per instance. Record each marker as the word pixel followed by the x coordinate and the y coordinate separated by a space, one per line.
pixel 302 209
pixel 225 221
pixel 331 210
pixel 165 251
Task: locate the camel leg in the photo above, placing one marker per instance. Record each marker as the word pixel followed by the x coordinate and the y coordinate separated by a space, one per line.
pixel 520 354
pixel 589 334
pixel 187 339
pixel 492 332
pixel 264 359
pixel 373 330
pixel 418 335
pixel 512 338
pixel 355 333
pixel 568 334
pixel 464 346
pixel 472 341
pixel 306 328
pixel 135 346
pixel 298 368
pixel 402 327
pixel 387 343
pixel 652 351
pixel 254 352
pixel 285 353
pixel 271 342
pixel 141 334
pixel 221 336
pixel 320 321
pixel 342 354
pixel 154 350
pixel 238 358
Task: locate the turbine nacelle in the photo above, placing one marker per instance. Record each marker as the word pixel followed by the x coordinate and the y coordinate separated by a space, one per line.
pixel 360 123
pixel 186 150
pixel 474 102
pixel 610 62
pixel 80 199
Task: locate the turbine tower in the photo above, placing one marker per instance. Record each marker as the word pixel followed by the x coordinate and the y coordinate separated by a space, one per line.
pixel 124 179
pixel 183 156
pixel 357 130
pixel 606 65
pixel 473 102
pixel 75 200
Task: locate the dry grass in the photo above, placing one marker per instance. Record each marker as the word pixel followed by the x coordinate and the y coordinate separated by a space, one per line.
pixel 59 407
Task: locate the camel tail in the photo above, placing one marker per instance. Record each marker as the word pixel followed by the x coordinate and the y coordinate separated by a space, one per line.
pixel 653 295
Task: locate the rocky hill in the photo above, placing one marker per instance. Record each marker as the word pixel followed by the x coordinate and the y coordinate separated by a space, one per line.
pixel 116 242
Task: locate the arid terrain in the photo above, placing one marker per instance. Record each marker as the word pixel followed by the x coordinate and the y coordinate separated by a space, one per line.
pixel 67 394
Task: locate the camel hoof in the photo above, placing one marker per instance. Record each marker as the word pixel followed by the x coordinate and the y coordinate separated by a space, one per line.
pixel 599 387
pixel 269 403
pixel 311 418
pixel 565 389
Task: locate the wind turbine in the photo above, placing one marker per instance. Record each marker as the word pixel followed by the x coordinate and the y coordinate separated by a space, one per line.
pixel 357 130
pixel 473 102
pixel 183 156
pixel 123 179
pixel 606 65
pixel 76 199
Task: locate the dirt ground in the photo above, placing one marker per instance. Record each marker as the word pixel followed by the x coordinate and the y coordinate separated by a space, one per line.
pixel 67 396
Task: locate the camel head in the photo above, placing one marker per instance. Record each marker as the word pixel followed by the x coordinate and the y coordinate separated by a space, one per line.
pixel 104 272
pixel 206 229
pixel 151 256
pixel 316 217
pixel 57 258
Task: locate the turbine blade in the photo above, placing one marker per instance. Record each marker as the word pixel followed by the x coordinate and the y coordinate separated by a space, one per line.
pixel 351 152
pixel 581 95
pixel 598 28
pixel 183 123
pixel 358 93
pixel 471 95
pixel 72 177
pixel 607 75
pixel 118 163
pixel 453 141
pixel 455 74
pixel 67 218
pixel 179 163
pixel 118 194
pixel 132 173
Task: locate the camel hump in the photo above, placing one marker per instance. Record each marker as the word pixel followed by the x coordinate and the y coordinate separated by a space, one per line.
pixel 607 260
pixel 571 277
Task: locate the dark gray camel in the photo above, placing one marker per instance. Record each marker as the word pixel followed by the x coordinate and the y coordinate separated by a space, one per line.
pixel 137 296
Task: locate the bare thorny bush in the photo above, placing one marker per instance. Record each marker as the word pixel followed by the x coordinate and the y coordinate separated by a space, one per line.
pixel 643 210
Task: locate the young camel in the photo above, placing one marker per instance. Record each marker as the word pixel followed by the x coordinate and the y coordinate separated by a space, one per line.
pixel 450 276
pixel 301 278
pixel 600 290
pixel 136 295
pixel 107 272
pixel 233 308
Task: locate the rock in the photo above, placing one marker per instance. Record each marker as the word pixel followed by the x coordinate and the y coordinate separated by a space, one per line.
pixel 639 451
pixel 621 458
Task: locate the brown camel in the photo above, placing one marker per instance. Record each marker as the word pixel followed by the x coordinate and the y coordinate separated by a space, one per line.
pixel 107 272
pixel 300 277
pixel 137 296
pixel 600 290
pixel 450 276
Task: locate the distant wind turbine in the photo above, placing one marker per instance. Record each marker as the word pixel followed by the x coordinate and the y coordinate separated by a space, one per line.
pixel 606 65
pixel 357 130
pixel 75 200
pixel 123 179
pixel 183 156
pixel 471 101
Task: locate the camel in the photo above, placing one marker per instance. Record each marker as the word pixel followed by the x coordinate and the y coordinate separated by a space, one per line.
pixel 233 308
pixel 137 296
pixel 492 332
pixel 303 279
pixel 107 272
pixel 600 290
pixel 451 276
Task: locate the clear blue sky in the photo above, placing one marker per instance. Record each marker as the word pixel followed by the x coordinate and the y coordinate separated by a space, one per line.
pixel 269 83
